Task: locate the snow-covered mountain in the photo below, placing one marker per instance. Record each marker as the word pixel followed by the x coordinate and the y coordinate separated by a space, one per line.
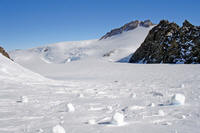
pixel 117 48
pixel 113 48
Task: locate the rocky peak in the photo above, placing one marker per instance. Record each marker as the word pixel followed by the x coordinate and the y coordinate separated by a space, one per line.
pixel 187 24
pixel 129 26
pixel 146 23
pixel 169 43
pixel 3 52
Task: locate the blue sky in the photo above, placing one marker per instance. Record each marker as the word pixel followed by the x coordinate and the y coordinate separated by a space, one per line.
pixel 30 23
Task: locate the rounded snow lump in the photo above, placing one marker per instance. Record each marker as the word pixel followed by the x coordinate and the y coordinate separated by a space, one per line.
pixel 152 104
pixel 80 95
pixel 118 119
pixel 161 113
pixel 92 122
pixel 58 129
pixel 70 107
pixel 178 99
pixel 24 99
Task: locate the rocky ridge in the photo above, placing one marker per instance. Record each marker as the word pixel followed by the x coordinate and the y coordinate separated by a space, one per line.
pixel 129 26
pixel 3 52
pixel 169 43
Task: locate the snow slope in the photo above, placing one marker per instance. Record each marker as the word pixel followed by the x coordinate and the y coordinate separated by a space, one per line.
pixel 118 46
pixel 105 96
pixel 12 71
pixel 20 93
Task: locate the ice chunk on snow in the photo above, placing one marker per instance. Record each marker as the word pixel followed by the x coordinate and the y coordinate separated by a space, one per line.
pixel 58 129
pixel 70 107
pixel 182 86
pixel 132 95
pixel 118 119
pixel 92 122
pixel 161 113
pixel 69 60
pixel 178 99
pixel 152 104
pixel 24 99
pixel 80 95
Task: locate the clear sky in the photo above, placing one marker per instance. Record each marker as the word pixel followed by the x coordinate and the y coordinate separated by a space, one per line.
pixel 30 23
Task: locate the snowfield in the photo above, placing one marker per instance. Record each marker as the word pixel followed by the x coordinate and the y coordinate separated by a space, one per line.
pixel 81 88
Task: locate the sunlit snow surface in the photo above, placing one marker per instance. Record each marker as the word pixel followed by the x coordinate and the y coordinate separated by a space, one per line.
pixel 97 87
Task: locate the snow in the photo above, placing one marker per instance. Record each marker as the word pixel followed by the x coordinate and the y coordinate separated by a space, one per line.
pixel 92 122
pixel 133 95
pixel 114 48
pixel 118 119
pixel 70 107
pixel 161 113
pixel 24 99
pixel 108 87
pixel 152 105
pixel 80 95
pixel 16 73
pixel 178 99
pixel 58 129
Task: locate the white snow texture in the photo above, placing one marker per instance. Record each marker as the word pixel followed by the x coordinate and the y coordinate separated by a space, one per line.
pixel 88 87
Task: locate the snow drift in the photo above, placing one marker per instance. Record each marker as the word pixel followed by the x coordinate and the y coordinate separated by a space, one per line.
pixel 11 71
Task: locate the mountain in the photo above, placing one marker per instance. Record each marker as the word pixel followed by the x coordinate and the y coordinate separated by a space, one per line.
pixel 112 49
pixel 169 43
pixel 129 26
pixel 3 52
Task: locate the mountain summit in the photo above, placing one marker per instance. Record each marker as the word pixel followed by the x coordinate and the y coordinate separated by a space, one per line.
pixel 129 26
pixel 169 43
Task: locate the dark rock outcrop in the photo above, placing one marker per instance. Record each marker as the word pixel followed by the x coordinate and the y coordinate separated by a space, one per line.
pixel 129 26
pixel 3 52
pixel 169 43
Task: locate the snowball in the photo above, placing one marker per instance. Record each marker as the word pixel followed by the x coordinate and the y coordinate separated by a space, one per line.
pixel 161 113
pixel 24 99
pixel 61 117
pixel 182 86
pixel 80 95
pixel 118 119
pixel 109 108
pixel 92 122
pixel 68 60
pixel 183 116
pixel 179 116
pixel 152 104
pixel 58 129
pixel 178 99
pixel 132 95
pixel 70 107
